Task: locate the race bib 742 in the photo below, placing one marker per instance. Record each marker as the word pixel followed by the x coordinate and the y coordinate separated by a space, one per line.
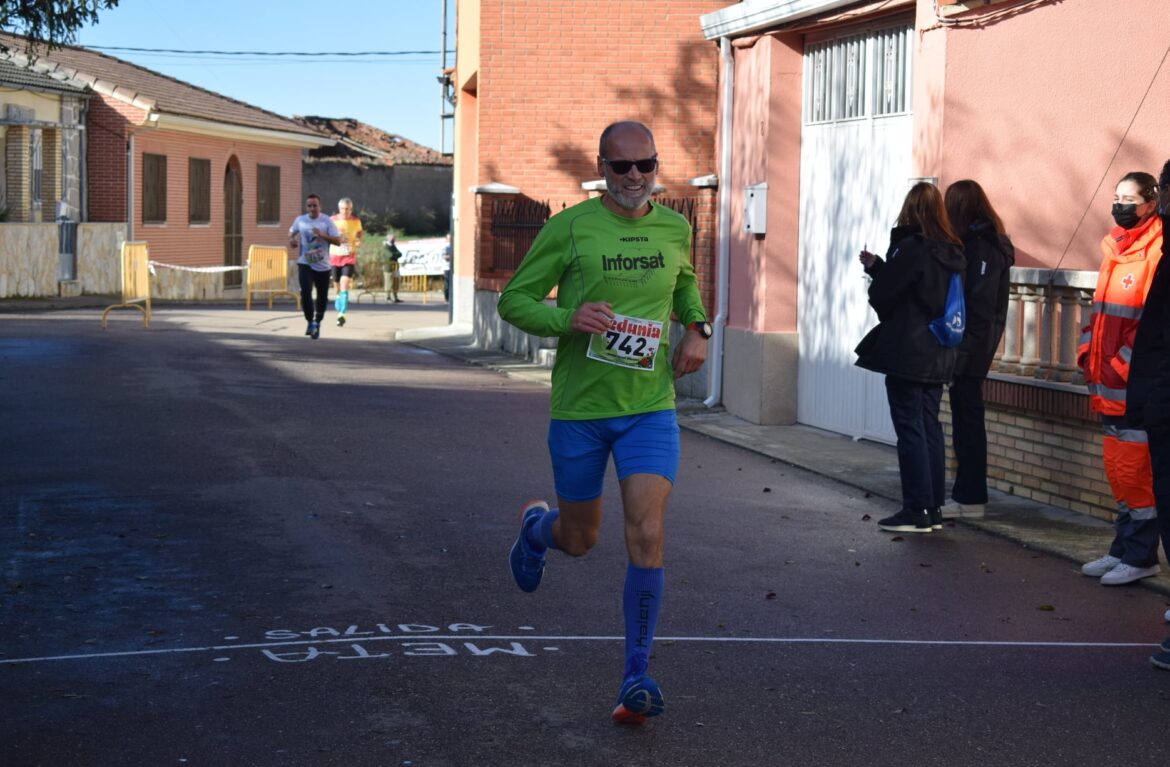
pixel 630 342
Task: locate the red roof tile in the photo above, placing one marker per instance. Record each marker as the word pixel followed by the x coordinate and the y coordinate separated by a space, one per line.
pixel 364 144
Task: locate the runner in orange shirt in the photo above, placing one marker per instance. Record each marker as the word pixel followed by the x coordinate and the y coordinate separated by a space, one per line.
pixel 343 257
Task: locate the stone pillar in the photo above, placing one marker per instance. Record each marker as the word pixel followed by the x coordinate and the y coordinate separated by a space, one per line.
pixel 71 155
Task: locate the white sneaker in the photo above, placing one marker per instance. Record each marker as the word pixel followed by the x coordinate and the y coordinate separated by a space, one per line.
pixel 973 510
pixel 969 510
pixel 1099 567
pixel 1124 573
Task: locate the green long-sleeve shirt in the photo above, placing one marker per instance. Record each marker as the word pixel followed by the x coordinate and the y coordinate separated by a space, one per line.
pixel 642 267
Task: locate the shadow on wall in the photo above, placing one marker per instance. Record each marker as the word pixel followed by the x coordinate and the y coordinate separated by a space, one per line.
pixel 677 108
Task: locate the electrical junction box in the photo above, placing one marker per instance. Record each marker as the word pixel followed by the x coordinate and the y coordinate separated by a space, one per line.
pixel 755 208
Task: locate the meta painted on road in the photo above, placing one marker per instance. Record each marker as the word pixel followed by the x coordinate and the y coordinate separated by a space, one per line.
pixel 420 640
pixel 380 632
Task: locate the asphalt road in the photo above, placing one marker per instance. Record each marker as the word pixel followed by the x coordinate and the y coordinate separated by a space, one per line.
pixel 223 543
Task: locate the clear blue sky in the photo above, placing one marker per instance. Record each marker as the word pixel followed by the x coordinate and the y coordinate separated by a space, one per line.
pixel 397 93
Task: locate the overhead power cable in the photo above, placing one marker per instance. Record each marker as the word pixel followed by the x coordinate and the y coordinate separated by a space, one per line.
pixel 262 53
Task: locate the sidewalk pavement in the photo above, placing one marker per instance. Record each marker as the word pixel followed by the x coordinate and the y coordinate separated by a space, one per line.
pixel 870 467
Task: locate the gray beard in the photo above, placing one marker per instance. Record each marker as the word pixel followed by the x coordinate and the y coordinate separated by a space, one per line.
pixel 624 200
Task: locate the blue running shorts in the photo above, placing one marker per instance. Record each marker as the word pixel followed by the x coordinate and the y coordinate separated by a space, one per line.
pixel 646 443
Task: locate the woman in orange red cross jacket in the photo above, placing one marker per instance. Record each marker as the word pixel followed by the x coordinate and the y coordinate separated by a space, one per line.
pixel 1131 252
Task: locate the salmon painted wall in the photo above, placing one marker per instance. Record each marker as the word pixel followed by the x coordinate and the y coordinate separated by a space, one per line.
pixel 1035 107
pixel 181 243
pixel 766 148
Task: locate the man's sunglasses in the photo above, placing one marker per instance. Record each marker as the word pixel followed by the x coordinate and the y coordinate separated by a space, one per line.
pixel 622 167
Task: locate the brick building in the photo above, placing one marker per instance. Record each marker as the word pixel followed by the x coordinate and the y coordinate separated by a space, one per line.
pixel 535 83
pixel 197 175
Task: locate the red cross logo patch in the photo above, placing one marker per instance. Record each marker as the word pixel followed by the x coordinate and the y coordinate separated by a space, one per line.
pixel 1127 281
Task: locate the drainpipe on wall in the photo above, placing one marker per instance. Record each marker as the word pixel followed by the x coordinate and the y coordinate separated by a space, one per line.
pixel 130 189
pixel 83 162
pixel 723 246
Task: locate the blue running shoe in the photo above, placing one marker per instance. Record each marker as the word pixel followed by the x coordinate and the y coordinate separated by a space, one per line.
pixel 316 331
pixel 527 565
pixel 639 696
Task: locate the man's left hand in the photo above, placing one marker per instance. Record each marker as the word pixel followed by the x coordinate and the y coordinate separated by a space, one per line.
pixel 690 354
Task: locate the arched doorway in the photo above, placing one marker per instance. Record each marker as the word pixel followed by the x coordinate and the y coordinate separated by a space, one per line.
pixel 233 222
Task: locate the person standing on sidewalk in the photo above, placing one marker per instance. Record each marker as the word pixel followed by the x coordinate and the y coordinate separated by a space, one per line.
pixel 908 290
pixel 990 256
pixel 1131 252
pixel 312 233
pixel 621 266
pixel 343 256
pixel 1147 393
pixel 390 273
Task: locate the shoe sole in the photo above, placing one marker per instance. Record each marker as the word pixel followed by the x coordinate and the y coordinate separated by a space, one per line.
pixel 1127 581
pixel 516 544
pixel 1161 660
pixel 622 715
pixel 905 529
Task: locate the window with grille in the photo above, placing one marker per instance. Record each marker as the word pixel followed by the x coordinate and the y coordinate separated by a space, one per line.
pixel 863 75
pixel 154 188
pixel 198 191
pixel 268 194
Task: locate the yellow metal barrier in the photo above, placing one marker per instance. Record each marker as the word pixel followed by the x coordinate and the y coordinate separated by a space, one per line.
pixel 268 273
pixel 414 283
pixel 135 281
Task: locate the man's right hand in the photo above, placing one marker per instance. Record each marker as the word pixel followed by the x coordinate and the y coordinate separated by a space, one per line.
pixel 592 318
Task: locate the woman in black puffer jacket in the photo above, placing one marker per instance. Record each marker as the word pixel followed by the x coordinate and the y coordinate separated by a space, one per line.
pixel 1147 392
pixel 990 256
pixel 909 289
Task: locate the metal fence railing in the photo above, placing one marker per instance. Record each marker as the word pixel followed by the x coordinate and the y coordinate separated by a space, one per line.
pixel 514 225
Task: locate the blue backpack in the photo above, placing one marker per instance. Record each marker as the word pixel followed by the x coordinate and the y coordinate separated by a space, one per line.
pixel 949 327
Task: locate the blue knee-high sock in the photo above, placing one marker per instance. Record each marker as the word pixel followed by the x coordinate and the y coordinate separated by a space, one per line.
pixel 641 600
pixel 342 302
pixel 540 534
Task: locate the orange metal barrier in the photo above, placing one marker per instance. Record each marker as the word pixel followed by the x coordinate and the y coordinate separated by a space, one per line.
pixel 135 281
pixel 268 273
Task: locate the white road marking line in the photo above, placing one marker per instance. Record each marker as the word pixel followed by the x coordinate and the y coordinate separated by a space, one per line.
pixel 529 637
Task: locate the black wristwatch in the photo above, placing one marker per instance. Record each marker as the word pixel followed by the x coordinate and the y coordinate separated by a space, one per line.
pixel 704 328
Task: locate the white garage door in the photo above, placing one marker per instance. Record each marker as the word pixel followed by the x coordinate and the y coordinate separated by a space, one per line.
pixel 854 163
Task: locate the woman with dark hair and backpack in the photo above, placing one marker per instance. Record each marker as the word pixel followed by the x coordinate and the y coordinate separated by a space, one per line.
pixel 908 291
pixel 990 256
pixel 1130 255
